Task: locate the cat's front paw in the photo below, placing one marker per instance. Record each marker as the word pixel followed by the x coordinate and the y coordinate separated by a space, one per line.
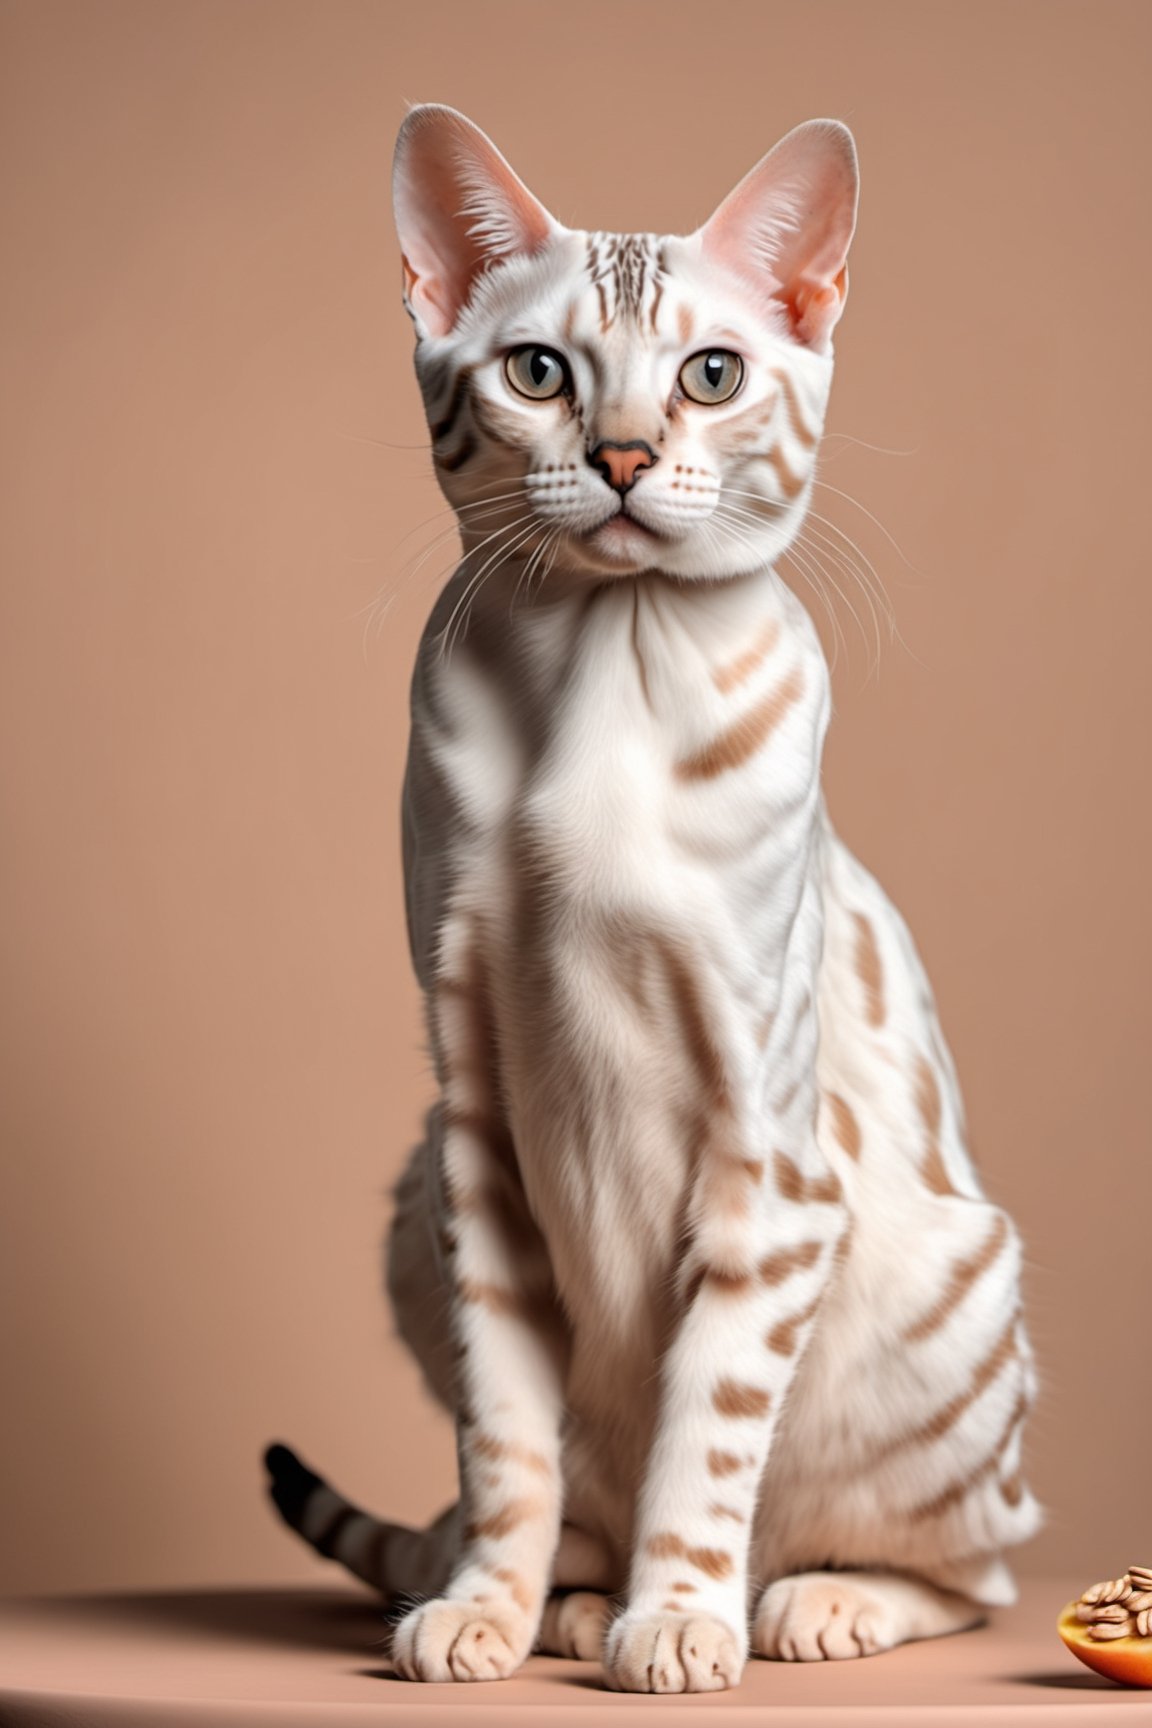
pixel 672 1653
pixel 447 1640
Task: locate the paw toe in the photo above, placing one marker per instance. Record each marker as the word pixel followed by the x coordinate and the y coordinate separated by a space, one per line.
pixel 819 1617
pixel 445 1641
pixel 673 1653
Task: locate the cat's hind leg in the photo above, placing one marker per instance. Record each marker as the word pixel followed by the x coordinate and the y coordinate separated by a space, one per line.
pixel 828 1616
pixel 574 1625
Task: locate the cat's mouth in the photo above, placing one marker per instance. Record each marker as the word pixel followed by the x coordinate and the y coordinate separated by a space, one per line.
pixel 622 535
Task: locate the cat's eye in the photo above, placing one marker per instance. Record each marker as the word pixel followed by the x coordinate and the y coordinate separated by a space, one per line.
pixel 536 372
pixel 712 377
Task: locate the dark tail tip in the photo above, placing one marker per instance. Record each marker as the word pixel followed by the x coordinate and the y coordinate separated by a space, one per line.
pixel 292 1483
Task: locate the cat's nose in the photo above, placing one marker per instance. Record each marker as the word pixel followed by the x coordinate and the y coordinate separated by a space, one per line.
pixel 620 463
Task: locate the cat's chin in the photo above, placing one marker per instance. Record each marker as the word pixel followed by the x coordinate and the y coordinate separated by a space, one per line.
pixel 619 547
pixel 624 541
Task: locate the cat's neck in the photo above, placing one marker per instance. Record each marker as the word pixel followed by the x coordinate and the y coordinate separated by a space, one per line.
pixel 679 635
pixel 520 606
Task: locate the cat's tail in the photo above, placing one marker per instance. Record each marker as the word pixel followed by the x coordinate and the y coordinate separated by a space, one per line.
pixel 390 1557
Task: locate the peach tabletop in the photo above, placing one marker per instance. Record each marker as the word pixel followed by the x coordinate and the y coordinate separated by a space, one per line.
pixel 249 1657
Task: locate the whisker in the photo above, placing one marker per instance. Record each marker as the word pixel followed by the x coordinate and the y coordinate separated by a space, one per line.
pixel 381 443
pixel 863 444
pixel 499 558
pixel 828 549
pixel 863 571
pixel 381 603
pixel 853 563
pixel 448 639
pixel 892 541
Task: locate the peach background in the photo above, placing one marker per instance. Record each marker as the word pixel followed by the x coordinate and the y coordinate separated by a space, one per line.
pixel 213 461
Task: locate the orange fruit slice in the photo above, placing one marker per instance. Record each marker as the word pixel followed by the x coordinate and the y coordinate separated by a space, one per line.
pixel 1128 1660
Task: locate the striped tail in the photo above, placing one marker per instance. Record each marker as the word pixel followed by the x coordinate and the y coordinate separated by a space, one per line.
pixel 390 1557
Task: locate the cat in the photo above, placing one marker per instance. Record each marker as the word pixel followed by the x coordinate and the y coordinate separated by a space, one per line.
pixel 693 1249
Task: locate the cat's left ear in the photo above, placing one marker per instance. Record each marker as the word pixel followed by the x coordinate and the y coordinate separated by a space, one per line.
pixel 788 225
pixel 459 209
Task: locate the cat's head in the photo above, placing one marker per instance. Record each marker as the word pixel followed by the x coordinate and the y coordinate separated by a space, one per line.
pixel 624 402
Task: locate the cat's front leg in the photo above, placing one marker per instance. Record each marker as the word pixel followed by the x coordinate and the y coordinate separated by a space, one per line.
pixel 759 1265
pixel 509 1374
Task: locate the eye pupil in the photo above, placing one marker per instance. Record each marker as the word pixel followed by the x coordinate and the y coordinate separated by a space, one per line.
pixel 539 366
pixel 714 370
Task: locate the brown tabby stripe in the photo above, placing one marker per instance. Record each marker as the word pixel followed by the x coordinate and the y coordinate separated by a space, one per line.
pixel 794 1185
pixel 461 390
pixel 464 988
pixel 1012 1488
pixel 928 1099
pixel 869 969
pixel 790 484
pixel 937 1425
pixel 727 1283
pixel 509 1303
pixel 805 438
pixel 731 1398
pixel 787 1098
pixel 785 1336
pixel 684 1589
pixel 717 1510
pixel 713 1561
pixel 658 275
pixel 697 1023
pixel 593 266
pixel 844 1124
pixel 466 1121
pixel 458 457
pixel 785 1261
pixel 739 670
pixel 517 1587
pixel 505 1519
pixel 734 746
pixel 961 1279
pixel 963 1486
pixel 509 1451
pixel 935 1174
pixel 723 1463
pixel 490 419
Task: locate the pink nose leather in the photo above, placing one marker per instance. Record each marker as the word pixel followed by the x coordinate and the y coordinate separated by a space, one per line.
pixel 620 463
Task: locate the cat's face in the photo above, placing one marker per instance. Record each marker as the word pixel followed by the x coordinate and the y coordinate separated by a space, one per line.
pixel 615 403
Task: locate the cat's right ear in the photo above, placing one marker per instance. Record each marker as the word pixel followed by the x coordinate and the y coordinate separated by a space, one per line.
pixel 459 208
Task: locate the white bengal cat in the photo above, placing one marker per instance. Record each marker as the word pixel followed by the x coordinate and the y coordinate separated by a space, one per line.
pixel 693 1249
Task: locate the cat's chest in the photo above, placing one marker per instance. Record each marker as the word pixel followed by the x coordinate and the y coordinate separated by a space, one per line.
pixel 643 755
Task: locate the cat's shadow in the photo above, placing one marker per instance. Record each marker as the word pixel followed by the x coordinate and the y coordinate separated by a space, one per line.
pixel 301 1618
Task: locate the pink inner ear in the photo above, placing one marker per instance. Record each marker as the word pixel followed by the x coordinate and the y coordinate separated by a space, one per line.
pixel 815 311
pixel 787 227
pixel 459 207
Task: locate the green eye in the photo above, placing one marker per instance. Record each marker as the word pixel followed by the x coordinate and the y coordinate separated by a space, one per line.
pixel 536 372
pixel 712 377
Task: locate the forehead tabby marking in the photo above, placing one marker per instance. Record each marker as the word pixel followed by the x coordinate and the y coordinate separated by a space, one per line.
pixel 627 272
